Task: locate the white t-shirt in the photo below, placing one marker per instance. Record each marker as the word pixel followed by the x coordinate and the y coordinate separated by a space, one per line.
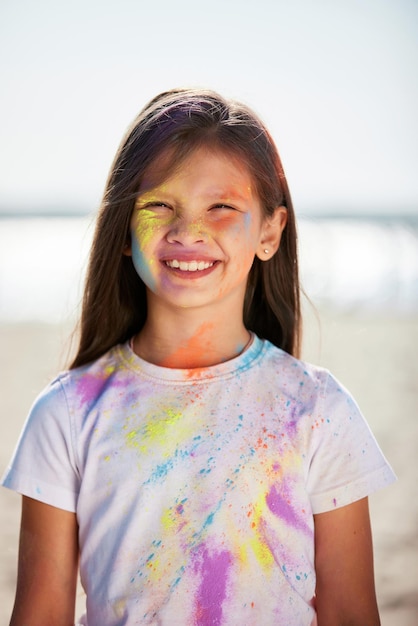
pixel 195 489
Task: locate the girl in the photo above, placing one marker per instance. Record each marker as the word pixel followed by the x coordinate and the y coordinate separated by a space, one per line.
pixel 188 463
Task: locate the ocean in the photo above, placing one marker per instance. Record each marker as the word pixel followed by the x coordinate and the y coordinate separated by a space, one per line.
pixel 347 264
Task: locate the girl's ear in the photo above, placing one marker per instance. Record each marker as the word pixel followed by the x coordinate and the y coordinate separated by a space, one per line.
pixel 127 248
pixel 271 233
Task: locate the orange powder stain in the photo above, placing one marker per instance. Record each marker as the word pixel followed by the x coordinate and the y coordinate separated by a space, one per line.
pixel 317 424
pixel 260 444
pixel 191 352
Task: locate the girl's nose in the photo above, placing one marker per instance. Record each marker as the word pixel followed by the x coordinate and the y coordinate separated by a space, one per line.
pixel 187 232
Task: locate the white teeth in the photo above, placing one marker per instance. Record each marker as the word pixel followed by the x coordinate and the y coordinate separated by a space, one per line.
pixel 191 266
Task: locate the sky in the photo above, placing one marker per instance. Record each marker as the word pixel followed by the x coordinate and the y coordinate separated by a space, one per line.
pixel 336 81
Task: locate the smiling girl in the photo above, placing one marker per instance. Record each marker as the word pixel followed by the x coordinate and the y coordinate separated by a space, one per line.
pixel 188 463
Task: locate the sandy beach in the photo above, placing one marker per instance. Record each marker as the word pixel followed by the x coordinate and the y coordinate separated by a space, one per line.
pixel 373 356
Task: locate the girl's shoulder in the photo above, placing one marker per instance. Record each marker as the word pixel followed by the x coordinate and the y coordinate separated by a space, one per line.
pixel 303 380
pixel 279 361
pixel 84 381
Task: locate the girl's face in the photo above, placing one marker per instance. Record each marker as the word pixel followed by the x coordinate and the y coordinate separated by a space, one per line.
pixel 194 236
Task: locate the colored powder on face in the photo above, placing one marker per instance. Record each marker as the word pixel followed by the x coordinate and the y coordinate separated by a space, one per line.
pixel 213 586
pixel 148 224
pixel 143 266
pixel 248 220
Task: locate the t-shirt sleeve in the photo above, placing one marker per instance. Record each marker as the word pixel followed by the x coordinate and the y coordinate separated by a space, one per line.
pixel 346 463
pixel 43 466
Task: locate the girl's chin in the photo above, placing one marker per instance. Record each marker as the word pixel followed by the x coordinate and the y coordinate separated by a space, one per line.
pixel 181 297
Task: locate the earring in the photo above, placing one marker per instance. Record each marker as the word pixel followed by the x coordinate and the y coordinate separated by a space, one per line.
pixel 266 251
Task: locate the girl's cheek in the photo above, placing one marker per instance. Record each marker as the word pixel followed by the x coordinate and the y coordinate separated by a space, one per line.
pixel 233 226
pixel 145 227
pixel 145 267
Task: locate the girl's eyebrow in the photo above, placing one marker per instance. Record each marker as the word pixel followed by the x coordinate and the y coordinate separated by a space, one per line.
pixel 233 190
pixel 231 193
pixel 216 194
pixel 147 196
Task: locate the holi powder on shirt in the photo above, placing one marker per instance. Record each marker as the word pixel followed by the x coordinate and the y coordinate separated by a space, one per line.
pixel 258 542
pixel 216 486
pixel 213 568
pixel 91 386
pixel 199 492
pixel 280 503
pixel 166 431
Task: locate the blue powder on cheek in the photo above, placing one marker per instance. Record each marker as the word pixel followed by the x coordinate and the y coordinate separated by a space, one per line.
pixel 247 220
pixel 142 265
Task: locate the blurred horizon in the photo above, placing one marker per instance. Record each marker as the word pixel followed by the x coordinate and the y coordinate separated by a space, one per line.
pixel 409 215
pixel 355 265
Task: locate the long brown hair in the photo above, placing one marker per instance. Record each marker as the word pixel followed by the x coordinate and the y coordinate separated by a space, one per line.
pixel 176 123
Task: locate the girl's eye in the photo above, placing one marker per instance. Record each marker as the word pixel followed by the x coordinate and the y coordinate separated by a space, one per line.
pixel 224 206
pixel 155 206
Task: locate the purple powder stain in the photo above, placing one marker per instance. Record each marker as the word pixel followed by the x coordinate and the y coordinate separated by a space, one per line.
pixel 213 568
pixel 281 507
pixel 90 387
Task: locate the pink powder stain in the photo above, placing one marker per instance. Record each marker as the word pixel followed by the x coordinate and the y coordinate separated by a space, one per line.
pixel 282 507
pixel 90 387
pixel 213 586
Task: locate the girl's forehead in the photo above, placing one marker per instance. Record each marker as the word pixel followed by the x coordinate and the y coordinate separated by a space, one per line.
pixel 170 165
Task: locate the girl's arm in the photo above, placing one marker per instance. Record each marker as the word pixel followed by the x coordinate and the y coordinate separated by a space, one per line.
pixel 47 567
pixel 345 591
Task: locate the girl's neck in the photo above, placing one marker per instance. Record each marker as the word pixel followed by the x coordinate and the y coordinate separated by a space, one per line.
pixel 185 341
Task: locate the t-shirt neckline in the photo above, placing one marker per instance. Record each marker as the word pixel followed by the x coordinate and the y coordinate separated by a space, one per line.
pixel 232 366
